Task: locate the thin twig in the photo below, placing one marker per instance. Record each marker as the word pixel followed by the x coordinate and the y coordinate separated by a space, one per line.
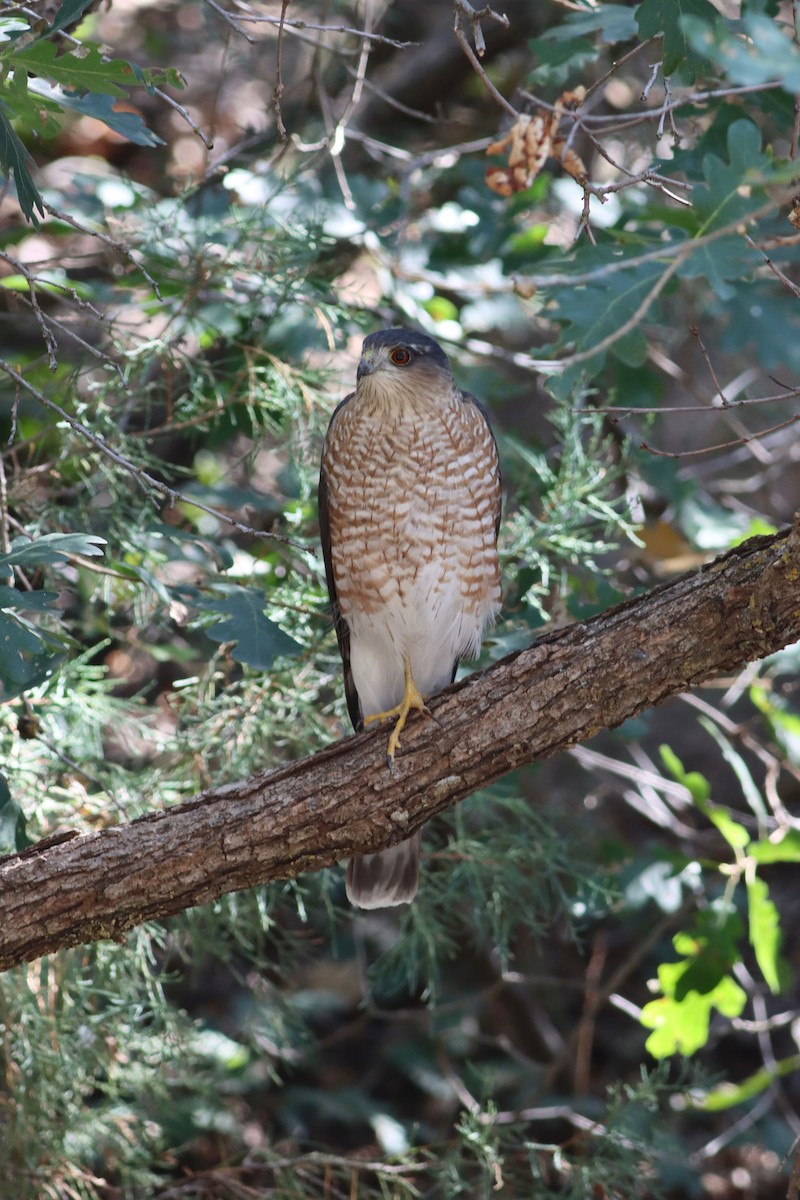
pixel 790 284
pixel 231 20
pixel 738 732
pixel 738 428
pixel 618 120
pixel 316 1157
pixel 633 320
pixel 119 247
pixel 187 116
pixel 695 332
pixel 277 92
pixel 393 103
pixel 679 254
pixel 463 9
pixel 667 114
pixel 587 1021
pixel 5 542
pixel 94 351
pixel 620 62
pixel 632 411
pixel 33 303
pixel 734 1130
pixel 740 441
pixel 650 177
pixel 650 82
pixel 293 25
pixel 337 132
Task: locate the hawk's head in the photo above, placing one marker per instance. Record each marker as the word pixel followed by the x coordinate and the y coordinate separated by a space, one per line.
pixel 402 356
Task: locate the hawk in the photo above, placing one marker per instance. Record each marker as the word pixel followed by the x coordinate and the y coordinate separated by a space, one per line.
pixel 409 504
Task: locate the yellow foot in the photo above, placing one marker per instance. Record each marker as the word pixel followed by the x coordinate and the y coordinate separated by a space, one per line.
pixel 411 700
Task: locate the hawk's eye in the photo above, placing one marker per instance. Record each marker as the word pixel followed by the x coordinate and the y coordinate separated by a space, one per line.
pixel 400 356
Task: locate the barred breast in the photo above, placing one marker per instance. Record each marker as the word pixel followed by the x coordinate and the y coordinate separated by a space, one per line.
pixel 413 505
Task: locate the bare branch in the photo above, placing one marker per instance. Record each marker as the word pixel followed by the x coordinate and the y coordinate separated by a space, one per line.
pixel 462 11
pixel 743 440
pixel 777 272
pixel 561 690
pixel 631 410
pixel 277 93
pixel 231 20
pixel 623 120
pixel 292 25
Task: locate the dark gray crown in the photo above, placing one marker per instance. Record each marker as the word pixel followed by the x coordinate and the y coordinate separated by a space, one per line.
pixel 418 343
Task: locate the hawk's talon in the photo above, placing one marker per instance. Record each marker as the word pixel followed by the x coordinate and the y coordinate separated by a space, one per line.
pixel 412 700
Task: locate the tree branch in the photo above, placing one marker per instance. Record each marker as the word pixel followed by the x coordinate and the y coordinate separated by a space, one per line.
pixel 561 690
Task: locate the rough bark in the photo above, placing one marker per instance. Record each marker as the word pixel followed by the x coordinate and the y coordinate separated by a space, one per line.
pixel 561 690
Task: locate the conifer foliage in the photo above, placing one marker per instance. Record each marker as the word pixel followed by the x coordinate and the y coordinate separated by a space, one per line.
pixel 594 207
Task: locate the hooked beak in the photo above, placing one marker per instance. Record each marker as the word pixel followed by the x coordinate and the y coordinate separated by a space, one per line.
pixel 365 367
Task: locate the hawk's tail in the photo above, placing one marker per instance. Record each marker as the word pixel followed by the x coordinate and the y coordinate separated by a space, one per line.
pixel 381 880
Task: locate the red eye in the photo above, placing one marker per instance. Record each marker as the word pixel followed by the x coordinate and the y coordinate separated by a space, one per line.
pixel 400 356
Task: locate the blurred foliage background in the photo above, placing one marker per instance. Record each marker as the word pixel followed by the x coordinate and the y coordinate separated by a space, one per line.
pixel 207 206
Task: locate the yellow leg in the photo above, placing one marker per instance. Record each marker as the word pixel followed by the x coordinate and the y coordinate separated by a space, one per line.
pixel 411 700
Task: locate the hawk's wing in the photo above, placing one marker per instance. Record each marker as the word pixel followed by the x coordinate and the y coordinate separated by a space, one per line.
pixel 339 623
pixel 482 417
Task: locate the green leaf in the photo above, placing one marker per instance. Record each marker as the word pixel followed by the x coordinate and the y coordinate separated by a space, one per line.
pixel 736 187
pixel 69 12
pixel 735 834
pixel 52 548
pixel 726 1095
pixel 26 601
pixel 697 784
pixel 765 935
pixel 666 17
pixel 557 61
pixel 25 657
pixel 259 641
pixel 764 54
pixel 614 23
pixel 12 25
pixel 785 725
pixel 14 159
pixel 32 109
pixel 13 834
pixel 758 527
pixel 697 984
pixel 681 1026
pixel 95 104
pixel 711 950
pixel 590 312
pixel 441 309
pixel 732 190
pixel 785 850
pixel 82 69
pixel 707 524
pixel 17 638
